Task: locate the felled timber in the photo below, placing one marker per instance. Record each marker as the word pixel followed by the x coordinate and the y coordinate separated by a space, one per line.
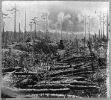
pixel 66 67
pixel 48 95
pixel 82 65
pixel 26 73
pixel 66 77
pixel 57 85
pixel 82 87
pixel 13 93
pixel 39 91
pixel 84 73
pixel 4 70
pixel 69 71
pixel 60 72
pixel 77 58
pixel 47 86
pixel 56 73
pixel 81 83
pixel 60 67
pixel 58 96
pixel 60 64
pixel 64 82
pixel 78 66
pixel 57 78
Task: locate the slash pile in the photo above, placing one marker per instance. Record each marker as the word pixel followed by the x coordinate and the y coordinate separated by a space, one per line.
pixel 77 76
pixel 74 79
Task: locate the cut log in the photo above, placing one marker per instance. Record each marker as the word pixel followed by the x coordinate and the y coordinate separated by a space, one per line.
pixel 84 73
pixel 64 82
pixel 47 86
pixel 69 71
pixel 39 91
pixel 60 64
pixel 68 77
pixel 58 84
pixel 68 66
pixel 60 67
pixel 77 58
pixel 58 95
pixel 82 65
pixel 4 70
pixel 13 93
pixel 81 83
pixel 48 95
pixel 56 73
pixel 24 73
pixel 82 87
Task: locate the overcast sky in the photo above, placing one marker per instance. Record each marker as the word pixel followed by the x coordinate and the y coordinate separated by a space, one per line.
pixel 34 9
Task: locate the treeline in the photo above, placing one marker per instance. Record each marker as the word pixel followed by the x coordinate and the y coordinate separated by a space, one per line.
pixel 9 37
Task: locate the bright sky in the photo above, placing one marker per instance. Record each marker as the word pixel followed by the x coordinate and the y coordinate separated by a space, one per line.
pixel 34 8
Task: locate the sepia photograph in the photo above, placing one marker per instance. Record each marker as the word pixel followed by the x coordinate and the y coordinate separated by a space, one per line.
pixel 54 49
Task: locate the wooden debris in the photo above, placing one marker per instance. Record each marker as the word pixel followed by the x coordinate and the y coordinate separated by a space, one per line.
pixel 26 73
pixel 82 87
pixel 39 91
pixel 4 70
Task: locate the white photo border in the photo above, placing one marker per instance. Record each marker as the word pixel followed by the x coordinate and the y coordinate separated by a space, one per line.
pixel 108 57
